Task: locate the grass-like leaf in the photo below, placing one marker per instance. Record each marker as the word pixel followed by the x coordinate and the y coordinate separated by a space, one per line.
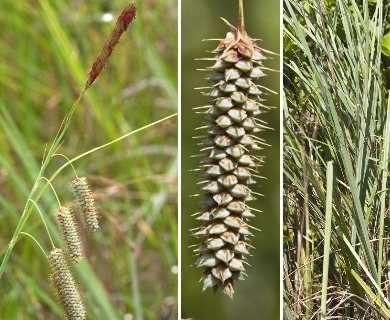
pixel 336 110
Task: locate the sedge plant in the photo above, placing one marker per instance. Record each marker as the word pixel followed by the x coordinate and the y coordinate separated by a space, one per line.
pixel 336 160
pixel 38 200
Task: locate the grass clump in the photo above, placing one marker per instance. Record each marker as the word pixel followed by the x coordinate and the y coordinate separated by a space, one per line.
pixel 336 160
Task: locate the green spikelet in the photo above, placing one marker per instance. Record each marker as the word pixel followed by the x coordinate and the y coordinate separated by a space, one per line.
pixel 83 194
pixel 70 235
pixel 230 161
pixel 67 291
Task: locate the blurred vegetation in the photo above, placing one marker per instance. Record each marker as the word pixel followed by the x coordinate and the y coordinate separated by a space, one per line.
pixel 258 296
pixel 46 51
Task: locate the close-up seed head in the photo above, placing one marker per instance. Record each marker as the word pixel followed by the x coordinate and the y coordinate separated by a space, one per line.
pixel 230 161
pixel 70 234
pixel 85 200
pixel 67 292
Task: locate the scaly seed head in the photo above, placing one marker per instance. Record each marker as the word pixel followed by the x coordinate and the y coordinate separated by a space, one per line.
pixel 67 291
pixel 70 234
pixel 85 200
pixel 230 161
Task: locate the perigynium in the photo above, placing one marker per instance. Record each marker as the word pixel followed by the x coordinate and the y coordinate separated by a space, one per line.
pixel 230 158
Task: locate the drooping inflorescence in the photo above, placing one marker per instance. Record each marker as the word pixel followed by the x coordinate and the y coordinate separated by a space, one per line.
pixel 230 161
pixel 61 276
pixel 67 291
pixel 70 233
pixel 85 200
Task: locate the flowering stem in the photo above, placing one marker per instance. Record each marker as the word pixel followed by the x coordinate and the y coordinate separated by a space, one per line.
pixel 241 26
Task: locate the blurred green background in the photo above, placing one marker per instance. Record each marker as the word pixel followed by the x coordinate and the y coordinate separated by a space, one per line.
pixel 258 296
pixel 46 50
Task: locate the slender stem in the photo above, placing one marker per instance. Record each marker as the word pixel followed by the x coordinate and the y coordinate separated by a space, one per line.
pixel 60 154
pixel 241 26
pixel 27 209
pixel 54 191
pixel 36 241
pixel 43 220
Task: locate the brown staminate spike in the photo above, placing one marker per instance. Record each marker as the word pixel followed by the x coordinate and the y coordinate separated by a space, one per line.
pixel 230 147
pixel 67 291
pixel 85 200
pixel 124 19
pixel 70 233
